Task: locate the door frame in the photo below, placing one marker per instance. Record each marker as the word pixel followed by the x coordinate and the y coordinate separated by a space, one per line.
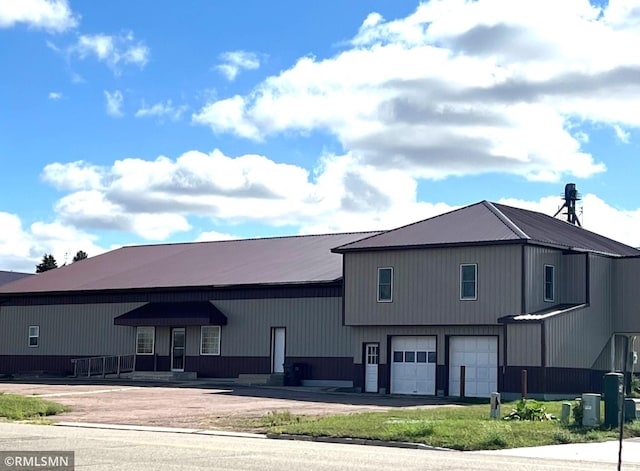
pixel 278 347
pixel 184 349
pixel 365 363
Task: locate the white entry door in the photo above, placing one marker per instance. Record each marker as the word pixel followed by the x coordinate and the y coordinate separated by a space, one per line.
pixel 479 355
pixel 413 365
pixel 372 353
pixel 277 349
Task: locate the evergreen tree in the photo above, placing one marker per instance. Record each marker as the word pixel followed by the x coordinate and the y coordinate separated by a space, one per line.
pixel 80 255
pixel 48 263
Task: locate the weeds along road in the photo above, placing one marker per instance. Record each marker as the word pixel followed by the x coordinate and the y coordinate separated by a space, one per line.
pixel 100 449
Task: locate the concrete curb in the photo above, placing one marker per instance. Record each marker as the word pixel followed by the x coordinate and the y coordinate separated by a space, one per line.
pixel 356 441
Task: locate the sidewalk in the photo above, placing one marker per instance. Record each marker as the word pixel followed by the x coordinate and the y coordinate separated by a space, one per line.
pixel 606 452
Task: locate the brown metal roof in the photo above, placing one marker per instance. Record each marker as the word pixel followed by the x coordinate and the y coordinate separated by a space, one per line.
pixel 9 276
pixel 487 222
pixel 548 230
pixel 471 224
pixel 297 259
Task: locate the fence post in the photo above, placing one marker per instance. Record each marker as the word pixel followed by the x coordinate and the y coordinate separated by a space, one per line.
pixel 462 380
pixel 523 383
pixel 104 369
pixel 118 368
pixel 89 367
pixel 75 368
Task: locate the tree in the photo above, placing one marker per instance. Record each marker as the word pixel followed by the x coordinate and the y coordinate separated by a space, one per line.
pixel 80 255
pixel 48 263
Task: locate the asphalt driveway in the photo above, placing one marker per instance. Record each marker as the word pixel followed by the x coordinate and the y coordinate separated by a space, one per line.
pixel 198 404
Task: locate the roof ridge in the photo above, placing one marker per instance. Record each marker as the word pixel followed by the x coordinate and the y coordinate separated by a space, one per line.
pixel 240 239
pixel 505 220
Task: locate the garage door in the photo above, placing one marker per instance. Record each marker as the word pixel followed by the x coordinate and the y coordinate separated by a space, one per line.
pixel 479 355
pixel 413 365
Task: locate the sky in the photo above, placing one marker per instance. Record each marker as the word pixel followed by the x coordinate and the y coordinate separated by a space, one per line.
pixel 156 121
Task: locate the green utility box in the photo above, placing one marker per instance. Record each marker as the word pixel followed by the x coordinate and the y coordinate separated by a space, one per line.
pixel 631 409
pixel 613 397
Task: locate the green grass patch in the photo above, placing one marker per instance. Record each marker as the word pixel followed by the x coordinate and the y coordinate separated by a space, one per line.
pixel 466 427
pixel 16 407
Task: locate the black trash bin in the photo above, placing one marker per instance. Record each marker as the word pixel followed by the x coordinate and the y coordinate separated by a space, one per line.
pixel 293 373
pixel 290 375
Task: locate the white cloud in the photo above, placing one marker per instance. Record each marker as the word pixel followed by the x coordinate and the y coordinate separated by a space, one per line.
pixel 460 88
pixel 50 15
pixel 55 96
pixel 22 249
pixel 155 199
pixel 115 51
pixel 161 110
pixel 73 176
pixel 235 61
pixel 114 102
pixel 209 236
pixel 622 135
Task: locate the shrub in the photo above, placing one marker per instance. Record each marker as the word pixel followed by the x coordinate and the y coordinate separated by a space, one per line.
pixel 578 412
pixel 529 410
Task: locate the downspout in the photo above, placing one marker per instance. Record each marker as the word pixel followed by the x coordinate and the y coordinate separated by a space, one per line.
pixel 613 352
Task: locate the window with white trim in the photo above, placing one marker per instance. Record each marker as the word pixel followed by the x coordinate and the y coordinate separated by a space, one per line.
pixel 210 340
pixel 34 335
pixel 385 285
pixel 469 281
pixel 145 340
pixel 549 283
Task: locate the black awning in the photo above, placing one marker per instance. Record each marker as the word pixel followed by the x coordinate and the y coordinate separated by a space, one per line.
pixel 173 314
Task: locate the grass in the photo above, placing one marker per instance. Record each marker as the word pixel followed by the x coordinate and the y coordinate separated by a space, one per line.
pixel 16 407
pixel 465 427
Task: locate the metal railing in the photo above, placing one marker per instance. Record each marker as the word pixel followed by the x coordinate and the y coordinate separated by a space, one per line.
pixel 102 366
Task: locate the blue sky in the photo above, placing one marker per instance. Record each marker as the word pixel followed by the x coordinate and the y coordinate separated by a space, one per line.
pixel 154 121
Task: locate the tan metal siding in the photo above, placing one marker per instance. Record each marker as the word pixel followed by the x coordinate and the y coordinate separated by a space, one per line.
pixel 524 344
pixel 163 341
pixel 574 279
pixel 426 286
pixel 627 298
pixel 577 338
pixel 67 329
pixel 535 260
pixel 362 335
pixel 313 327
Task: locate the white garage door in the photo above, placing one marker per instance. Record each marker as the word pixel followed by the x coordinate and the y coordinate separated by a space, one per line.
pixel 479 355
pixel 413 365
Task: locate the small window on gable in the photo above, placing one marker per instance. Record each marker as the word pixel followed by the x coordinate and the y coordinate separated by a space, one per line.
pixel 145 340
pixel 210 340
pixel 469 281
pixel 385 285
pixel 549 282
pixel 34 335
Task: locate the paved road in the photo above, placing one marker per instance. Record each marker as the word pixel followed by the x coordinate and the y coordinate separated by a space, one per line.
pixel 100 449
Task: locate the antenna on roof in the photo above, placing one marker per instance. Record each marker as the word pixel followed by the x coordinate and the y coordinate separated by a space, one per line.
pixel 571 195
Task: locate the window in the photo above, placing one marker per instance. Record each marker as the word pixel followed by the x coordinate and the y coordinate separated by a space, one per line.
pixel 549 282
pixel 34 335
pixel 385 285
pixel 145 340
pixel 210 340
pixel 468 281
